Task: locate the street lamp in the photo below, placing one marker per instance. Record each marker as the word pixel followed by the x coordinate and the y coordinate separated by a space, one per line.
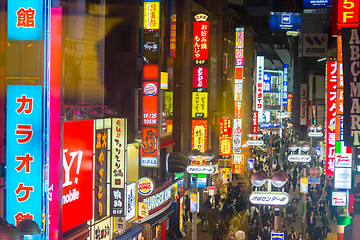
pixel 205 159
pixel 268 197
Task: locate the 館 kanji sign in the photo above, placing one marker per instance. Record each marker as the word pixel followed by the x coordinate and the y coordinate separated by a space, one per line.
pixel 23 153
pixel 25 20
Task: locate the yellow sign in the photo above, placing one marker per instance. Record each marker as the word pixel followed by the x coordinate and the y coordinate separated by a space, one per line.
pixel 199 104
pixel 151 15
pixel 225 145
pixel 304 185
pixel 143 210
pixel 164 80
pixel 169 106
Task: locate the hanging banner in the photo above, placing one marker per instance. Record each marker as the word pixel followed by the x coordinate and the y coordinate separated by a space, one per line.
pixel 350 44
pixel 23 153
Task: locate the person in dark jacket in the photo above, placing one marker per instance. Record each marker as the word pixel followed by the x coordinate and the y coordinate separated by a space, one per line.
pixel 325 224
pixel 187 208
pixel 217 231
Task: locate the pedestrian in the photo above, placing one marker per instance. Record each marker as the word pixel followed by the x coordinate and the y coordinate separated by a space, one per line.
pixel 322 204
pixel 311 221
pixel 266 232
pixel 240 235
pixel 218 231
pixel 325 224
pixel 317 233
pixel 300 237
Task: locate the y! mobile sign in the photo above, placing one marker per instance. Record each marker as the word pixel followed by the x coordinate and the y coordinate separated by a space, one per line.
pixel 330 116
pixel 77 173
pixel 259 86
pixel 23 153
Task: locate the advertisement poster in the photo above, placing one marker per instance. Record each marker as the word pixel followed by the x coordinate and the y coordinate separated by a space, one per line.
pixel 130 201
pixel 77 173
pixel 199 135
pixel 304 185
pixel 285 21
pixel 342 178
pixel 338 199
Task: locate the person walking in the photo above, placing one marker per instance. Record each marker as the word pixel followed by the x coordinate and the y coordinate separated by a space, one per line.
pixel 187 208
pixel 311 221
pixel 325 224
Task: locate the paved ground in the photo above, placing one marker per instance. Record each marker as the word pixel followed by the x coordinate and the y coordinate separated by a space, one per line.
pixel 297 226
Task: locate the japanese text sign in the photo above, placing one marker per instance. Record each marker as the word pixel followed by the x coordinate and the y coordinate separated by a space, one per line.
pixel 101 159
pixel 239 47
pixel 330 116
pixel 200 40
pixel 23 153
pixel 237 169
pixel 25 20
pixel 151 16
pixel 259 86
pixel 77 196
pixel 255 122
pixel 225 146
pixel 225 126
pixel 303 104
pixel 200 77
pixel 342 178
pixel 269 198
pixel 285 85
pixel 118 154
pixel 199 104
pixel 199 135
pixel 338 199
pixel 200 169
pixel 348 12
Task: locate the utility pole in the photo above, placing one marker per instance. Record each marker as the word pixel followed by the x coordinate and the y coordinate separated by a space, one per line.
pixel 194 218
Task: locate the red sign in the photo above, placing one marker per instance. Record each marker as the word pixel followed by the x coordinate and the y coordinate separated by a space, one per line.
pixel 314 171
pixel 201 40
pixel 77 203
pixel 225 126
pixel 237 110
pixel 200 77
pixel 237 168
pixel 255 122
pixel 348 12
pixel 149 141
pixel 330 116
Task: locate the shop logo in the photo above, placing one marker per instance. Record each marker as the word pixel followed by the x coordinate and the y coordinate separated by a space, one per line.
pixel 145 186
pixel 150 89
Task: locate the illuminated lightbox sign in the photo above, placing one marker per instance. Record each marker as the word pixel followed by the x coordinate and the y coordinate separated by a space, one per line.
pixel 342 178
pixel 201 169
pixel 149 162
pixel 343 160
pixel 255 143
pixel 267 82
pixel 130 201
pixel 151 15
pixel 199 135
pixel 77 199
pixel 285 85
pixel 200 40
pixel 23 153
pixel 299 158
pixel 315 134
pixel 317 3
pixel 269 198
pixel 251 163
pixel 285 21
pixel 145 186
pixel 157 200
pixel 200 77
pixel 199 104
pixel 25 20
pixel 339 199
pixel 194 202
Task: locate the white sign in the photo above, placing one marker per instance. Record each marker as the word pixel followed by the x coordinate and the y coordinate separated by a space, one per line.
pixel 255 143
pixel 269 198
pixel 202 169
pixel 299 158
pixel 314 44
pixel 303 104
pixel 130 201
pixel 342 179
pixel 211 191
pixel 315 134
pixel 102 229
pixel 338 199
pixel 158 199
pixel 343 159
pixel 149 162
pixel 259 87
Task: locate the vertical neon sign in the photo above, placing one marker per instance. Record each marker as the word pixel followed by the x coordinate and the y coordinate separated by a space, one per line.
pixel 23 153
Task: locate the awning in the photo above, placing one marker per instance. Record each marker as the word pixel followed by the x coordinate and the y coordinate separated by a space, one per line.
pixel 159 219
pixel 134 232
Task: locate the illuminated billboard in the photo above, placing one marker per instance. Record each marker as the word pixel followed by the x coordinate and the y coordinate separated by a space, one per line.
pixel 199 104
pixel 199 135
pixel 285 21
pixel 200 40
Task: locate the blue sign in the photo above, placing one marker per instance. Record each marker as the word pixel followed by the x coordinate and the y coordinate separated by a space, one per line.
pixel 277 236
pixel 23 153
pixel 285 85
pixel 341 127
pixel 267 82
pixel 269 125
pixel 318 151
pixel 317 3
pixel 314 180
pixel 251 163
pixel 25 20
pixel 149 162
pixel 285 21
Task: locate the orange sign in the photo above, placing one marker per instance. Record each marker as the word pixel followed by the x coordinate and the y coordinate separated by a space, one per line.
pixel 237 168
pixel 225 146
pixel 199 135
pixel 149 141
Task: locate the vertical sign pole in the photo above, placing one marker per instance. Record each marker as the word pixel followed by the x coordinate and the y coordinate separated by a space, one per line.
pixel 194 219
